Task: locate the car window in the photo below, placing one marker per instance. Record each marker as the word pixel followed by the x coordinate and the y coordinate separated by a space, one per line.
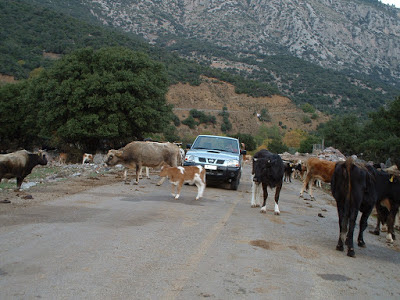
pixel 215 143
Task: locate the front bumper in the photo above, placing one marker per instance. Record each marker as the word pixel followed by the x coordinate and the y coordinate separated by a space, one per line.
pixel 221 174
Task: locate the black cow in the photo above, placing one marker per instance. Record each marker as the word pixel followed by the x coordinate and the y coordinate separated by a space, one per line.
pixel 353 187
pixel 388 201
pixel 19 164
pixel 289 169
pixel 299 170
pixel 268 169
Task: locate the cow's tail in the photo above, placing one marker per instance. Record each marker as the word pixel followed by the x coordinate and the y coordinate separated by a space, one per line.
pixel 348 195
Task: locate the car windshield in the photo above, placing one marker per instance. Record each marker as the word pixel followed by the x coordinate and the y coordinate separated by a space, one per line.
pixel 216 143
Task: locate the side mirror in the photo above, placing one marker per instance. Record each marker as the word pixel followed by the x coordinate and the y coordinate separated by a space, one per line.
pixel 188 146
pixel 243 152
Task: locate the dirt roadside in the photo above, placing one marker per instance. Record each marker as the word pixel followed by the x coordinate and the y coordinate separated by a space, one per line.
pixel 62 181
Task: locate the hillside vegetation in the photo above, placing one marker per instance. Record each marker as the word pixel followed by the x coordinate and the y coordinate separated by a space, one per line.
pixel 32 29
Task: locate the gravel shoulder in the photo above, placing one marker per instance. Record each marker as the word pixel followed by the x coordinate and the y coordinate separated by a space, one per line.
pixel 51 182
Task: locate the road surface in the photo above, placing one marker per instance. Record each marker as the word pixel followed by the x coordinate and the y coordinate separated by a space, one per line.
pixel 136 242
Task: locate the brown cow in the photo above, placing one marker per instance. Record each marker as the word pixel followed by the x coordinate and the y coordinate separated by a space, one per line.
pixel 188 174
pixel 317 169
pixel 19 164
pixel 136 155
pixel 62 158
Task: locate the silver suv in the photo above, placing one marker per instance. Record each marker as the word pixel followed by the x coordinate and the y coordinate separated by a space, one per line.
pixel 219 155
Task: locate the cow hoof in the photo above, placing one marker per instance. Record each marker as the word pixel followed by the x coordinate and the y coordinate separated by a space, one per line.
pixel 376 232
pixel 263 210
pixel 301 196
pixel 339 248
pixel 255 205
pixel 351 253
pixel 361 244
pixel 389 238
pixel 312 198
pixel 277 213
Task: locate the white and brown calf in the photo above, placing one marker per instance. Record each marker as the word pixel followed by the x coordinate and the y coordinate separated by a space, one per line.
pixel 87 158
pixel 188 174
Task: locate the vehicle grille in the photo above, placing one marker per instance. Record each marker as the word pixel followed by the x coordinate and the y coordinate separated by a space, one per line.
pixel 211 161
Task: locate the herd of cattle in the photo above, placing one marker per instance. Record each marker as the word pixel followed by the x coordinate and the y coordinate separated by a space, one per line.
pixel 355 186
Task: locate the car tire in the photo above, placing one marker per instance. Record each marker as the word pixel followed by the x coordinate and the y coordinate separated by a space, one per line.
pixel 235 182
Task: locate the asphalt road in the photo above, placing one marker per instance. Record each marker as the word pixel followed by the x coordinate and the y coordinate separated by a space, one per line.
pixel 137 242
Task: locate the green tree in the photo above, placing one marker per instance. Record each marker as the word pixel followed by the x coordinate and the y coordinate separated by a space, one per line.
pixel 343 133
pixel 306 146
pixel 308 108
pixel 190 122
pixel 277 146
pixel 10 118
pixel 267 133
pixel 382 134
pixel 247 139
pixel 112 94
pixel 226 124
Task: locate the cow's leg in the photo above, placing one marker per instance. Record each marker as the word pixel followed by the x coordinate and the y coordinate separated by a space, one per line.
pixel 397 221
pixel 340 210
pixel 363 225
pixel 255 194
pixel 147 173
pixel 200 187
pixel 173 186
pixel 310 190
pixel 138 168
pixel 178 190
pixel 377 229
pixel 19 183
pixel 140 173
pixel 350 233
pixel 161 181
pixel 305 184
pixel 265 196
pixel 125 174
pixel 390 223
pixel 277 193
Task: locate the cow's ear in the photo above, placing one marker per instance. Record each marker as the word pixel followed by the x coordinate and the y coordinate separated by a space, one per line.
pixel 118 154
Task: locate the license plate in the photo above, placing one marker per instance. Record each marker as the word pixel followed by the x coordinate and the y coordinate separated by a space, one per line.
pixel 210 167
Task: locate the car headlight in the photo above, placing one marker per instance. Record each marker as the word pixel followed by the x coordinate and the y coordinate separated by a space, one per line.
pixel 189 158
pixel 232 163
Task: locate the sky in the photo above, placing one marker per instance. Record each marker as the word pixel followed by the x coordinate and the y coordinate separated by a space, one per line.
pixel 395 2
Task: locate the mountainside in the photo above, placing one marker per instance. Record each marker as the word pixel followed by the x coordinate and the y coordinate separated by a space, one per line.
pixel 362 36
pixel 212 95
pixel 217 39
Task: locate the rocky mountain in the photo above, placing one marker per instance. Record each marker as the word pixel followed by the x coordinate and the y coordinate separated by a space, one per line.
pixel 355 35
